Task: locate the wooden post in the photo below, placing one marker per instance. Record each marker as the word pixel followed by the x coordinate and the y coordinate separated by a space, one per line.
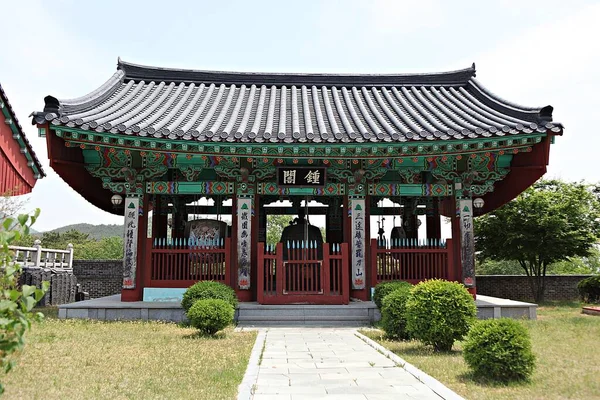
pixel 453 274
pixel 326 270
pixel 345 274
pixel 433 223
pixel 373 261
pixel 279 269
pixel 260 276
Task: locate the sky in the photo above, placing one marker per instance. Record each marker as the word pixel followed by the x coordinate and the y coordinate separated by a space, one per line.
pixel 532 53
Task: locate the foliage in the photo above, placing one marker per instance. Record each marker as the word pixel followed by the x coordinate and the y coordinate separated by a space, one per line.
pixel 16 302
pixel 384 288
pixel 275 226
pixel 589 289
pixel 393 313
pixel 572 266
pixel 498 267
pixel 85 247
pixel 439 312
pixel 10 205
pixel 210 315
pixel 499 350
pixel 562 339
pixel 96 232
pixel 549 222
pixel 208 290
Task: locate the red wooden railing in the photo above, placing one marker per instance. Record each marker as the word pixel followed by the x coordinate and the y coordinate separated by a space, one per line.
pixel 296 274
pixel 412 260
pixel 181 263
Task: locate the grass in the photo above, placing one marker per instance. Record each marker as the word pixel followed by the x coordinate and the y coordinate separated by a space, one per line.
pixel 77 359
pixel 565 343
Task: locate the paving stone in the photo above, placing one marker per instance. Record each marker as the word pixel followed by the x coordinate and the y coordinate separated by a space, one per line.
pixel 321 363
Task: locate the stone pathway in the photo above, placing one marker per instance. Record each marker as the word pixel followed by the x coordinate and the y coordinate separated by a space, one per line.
pixel 330 363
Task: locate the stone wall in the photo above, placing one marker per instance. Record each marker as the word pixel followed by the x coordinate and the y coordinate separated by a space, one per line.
pixel 516 287
pixel 99 278
pixel 63 285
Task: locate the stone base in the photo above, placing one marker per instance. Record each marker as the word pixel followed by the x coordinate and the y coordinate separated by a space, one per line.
pixel 591 310
pixel 357 313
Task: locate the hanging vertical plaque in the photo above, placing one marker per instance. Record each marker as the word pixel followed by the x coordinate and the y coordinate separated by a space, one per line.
pixel 131 236
pixel 357 210
pixel 467 252
pixel 244 241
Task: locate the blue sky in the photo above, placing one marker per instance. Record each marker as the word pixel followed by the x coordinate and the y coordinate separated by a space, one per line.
pixel 530 52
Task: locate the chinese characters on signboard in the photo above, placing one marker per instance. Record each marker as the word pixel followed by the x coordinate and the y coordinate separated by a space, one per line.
pixel 131 234
pixel 244 242
pixel 468 242
pixel 358 243
pixel 301 176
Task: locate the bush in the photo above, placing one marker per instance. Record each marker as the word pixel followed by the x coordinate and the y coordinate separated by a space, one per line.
pixel 385 288
pixel 439 312
pixel 500 350
pixel 210 315
pixel 589 289
pixel 208 290
pixel 393 310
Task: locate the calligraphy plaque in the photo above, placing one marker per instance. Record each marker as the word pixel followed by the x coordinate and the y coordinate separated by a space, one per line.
pixel 131 236
pixel 244 241
pixel 357 210
pixel 467 252
pixel 301 176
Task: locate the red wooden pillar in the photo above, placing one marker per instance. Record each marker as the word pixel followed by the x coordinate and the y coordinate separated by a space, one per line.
pixel 433 223
pixel 159 218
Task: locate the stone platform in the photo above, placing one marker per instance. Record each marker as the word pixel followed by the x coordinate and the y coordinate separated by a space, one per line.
pixel 357 313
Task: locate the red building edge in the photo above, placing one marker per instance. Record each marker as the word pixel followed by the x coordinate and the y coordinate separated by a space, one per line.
pixel 99 147
pixel 19 167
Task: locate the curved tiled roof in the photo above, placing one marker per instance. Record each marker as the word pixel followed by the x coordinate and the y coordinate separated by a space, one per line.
pixel 212 106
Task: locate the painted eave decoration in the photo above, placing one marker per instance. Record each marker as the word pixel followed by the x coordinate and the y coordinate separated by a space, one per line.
pixel 208 107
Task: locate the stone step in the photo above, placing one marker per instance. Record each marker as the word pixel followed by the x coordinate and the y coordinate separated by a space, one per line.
pixel 353 314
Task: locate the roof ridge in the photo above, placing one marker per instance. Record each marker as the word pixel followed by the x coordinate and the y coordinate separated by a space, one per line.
pixel 148 73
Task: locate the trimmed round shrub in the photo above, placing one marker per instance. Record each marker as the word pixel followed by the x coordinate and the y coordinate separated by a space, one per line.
pixel 589 289
pixel 393 310
pixel 385 288
pixel 208 290
pixel 210 315
pixel 500 350
pixel 439 312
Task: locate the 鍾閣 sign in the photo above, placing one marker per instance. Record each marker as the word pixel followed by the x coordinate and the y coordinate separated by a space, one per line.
pixel 301 176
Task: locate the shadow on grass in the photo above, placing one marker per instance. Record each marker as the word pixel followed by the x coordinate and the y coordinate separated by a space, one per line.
pixel 560 303
pixel 201 335
pixel 469 378
pixel 49 311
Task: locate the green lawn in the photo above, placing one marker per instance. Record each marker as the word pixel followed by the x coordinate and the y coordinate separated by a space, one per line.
pixel 565 343
pixel 127 360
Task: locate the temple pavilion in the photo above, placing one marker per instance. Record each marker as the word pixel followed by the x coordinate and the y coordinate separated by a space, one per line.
pixel 151 142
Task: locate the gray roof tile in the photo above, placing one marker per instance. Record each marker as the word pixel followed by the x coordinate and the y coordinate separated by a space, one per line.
pixel 253 107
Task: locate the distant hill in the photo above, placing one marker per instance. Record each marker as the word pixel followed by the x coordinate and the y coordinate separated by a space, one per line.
pixel 95 231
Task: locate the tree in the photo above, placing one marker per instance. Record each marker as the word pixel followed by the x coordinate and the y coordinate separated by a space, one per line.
pixel 16 302
pixel 549 222
pixel 275 225
pixel 10 205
